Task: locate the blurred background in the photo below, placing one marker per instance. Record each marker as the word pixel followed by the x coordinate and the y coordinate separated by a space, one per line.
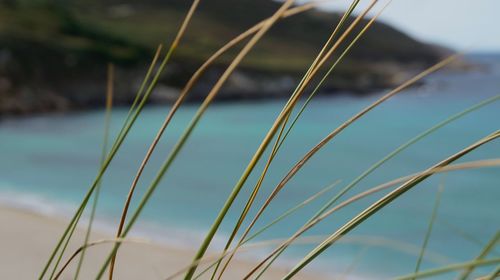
pixel 53 61
pixel 54 53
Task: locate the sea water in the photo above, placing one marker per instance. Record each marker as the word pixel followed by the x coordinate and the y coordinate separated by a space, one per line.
pixel 48 162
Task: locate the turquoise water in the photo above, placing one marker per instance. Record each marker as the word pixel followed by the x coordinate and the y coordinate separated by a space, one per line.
pixel 47 163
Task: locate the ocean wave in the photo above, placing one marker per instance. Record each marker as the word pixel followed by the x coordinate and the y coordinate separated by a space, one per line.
pixel 32 202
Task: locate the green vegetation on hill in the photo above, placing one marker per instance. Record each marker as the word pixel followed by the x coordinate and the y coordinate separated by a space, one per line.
pixel 53 53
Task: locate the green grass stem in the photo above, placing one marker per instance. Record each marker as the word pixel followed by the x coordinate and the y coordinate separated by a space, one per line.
pixel 450 268
pixel 375 207
pixel 482 255
pixel 280 140
pixel 115 147
pixel 393 154
pixel 432 220
pixel 104 151
pixel 246 49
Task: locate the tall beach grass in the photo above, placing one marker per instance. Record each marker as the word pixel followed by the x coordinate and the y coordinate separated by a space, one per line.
pixel 344 36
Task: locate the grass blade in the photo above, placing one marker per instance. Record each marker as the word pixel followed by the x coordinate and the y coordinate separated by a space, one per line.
pixel 140 92
pixel 116 145
pixel 429 228
pixel 374 208
pixel 279 139
pixel 339 129
pixel 494 274
pixel 395 152
pixel 259 213
pixel 192 81
pixel 107 122
pixel 246 49
pixel 275 221
pixel 371 241
pixel 453 267
pixel 404 147
pixel 176 41
pixel 381 187
pixel 92 244
pixel 483 254
pixel 448 168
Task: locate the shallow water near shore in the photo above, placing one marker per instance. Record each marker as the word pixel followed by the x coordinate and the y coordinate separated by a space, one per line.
pixel 48 162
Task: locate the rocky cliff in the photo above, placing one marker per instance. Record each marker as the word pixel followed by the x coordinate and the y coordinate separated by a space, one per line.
pixel 53 54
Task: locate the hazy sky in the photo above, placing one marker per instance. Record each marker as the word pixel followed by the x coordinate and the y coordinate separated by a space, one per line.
pixel 460 24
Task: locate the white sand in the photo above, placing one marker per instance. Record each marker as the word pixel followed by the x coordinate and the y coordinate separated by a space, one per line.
pixel 26 240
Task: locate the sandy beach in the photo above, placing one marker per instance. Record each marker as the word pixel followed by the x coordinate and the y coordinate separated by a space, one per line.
pixel 27 238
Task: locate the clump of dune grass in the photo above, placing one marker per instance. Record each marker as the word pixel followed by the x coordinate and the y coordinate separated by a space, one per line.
pixel 342 39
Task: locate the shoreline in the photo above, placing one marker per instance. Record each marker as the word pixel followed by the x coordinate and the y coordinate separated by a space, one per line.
pixel 28 237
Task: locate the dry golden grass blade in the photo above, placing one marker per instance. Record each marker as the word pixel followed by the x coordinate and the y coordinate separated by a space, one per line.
pixel 309 74
pixel 374 241
pixel 192 81
pixel 319 62
pixel 329 137
pixel 384 186
pixel 453 267
pixel 210 96
pixel 238 39
pixel 95 243
pixel 195 120
pixel 304 160
pixel 305 240
pixel 449 168
pixel 494 274
pixel 217 257
pixel 107 119
pixel 339 129
pixel 67 234
pixel 375 207
pixel 252 223
pixel 107 123
pixel 110 87
pixel 174 44
pixel 276 220
pixel 428 172
pixel 482 255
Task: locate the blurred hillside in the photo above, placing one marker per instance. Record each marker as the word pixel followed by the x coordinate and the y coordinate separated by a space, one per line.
pixel 53 53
